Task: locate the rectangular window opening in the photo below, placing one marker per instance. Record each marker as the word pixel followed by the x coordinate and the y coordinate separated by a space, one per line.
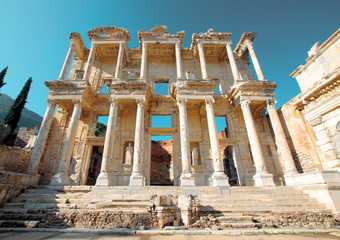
pixel 101 125
pixel 161 88
pixel 161 121
pixel 222 125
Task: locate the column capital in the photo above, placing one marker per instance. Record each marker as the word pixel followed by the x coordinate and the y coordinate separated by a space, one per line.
pixel 209 100
pixel 140 101
pixel 245 102
pixel 271 102
pixel 182 100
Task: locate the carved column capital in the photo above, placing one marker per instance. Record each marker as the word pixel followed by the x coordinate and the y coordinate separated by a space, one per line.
pixel 209 100
pixel 245 102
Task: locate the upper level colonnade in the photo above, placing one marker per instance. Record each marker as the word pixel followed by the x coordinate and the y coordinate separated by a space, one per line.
pixel 109 49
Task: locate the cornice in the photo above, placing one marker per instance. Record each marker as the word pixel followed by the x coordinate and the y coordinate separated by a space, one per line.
pixel 109 33
pixel 321 49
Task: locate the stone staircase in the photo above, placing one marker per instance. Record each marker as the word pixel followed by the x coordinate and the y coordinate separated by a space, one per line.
pixel 253 207
pixel 111 207
pixel 64 207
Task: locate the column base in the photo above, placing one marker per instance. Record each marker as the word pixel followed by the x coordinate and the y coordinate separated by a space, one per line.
pixel 104 179
pixel 219 179
pixel 187 179
pixel 263 179
pixel 60 179
pixel 137 180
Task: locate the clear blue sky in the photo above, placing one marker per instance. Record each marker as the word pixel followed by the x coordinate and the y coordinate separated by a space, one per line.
pixel 34 34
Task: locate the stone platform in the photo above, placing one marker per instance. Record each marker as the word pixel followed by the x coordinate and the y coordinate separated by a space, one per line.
pixel 159 206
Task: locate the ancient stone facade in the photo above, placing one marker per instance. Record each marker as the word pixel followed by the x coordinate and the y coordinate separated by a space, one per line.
pixel 207 80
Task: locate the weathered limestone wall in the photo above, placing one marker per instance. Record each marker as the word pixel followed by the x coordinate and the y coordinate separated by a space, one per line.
pixel 14 159
pixel 300 138
pixel 50 159
pixel 319 66
pixel 12 184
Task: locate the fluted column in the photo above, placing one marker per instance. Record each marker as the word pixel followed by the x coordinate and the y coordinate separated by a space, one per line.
pixel 284 153
pixel 255 61
pixel 40 143
pixel 218 178
pixel 186 178
pixel 105 176
pixel 178 60
pixel 89 62
pixel 202 61
pixel 119 60
pixel 137 178
pixel 143 68
pixel 62 177
pixel 233 65
pixel 67 62
pixel 262 177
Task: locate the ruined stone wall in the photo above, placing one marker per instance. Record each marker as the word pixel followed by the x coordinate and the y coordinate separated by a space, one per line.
pixel 51 156
pixel 300 139
pixel 323 62
pixel 14 159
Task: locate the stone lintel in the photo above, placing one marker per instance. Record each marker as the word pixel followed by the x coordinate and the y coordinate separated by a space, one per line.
pixel 256 90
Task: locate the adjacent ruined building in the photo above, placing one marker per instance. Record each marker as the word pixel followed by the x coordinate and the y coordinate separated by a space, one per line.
pixel 312 118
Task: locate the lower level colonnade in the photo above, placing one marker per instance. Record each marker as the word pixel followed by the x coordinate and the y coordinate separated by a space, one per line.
pixel 110 175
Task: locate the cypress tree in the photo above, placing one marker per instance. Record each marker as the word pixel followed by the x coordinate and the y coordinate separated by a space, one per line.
pixel 2 77
pixel 13 116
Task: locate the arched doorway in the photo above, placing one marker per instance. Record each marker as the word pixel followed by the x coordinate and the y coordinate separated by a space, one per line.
pixel 229 166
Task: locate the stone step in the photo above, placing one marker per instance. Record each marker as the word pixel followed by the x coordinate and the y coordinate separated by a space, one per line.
pixel 20 216
pixel 18 223
pixel 50 205
pixel 230 219
pixel 121 204
pixel 257 209
pixel 240 225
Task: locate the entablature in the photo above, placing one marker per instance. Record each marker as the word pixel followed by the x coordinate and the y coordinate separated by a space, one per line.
pixel 253 91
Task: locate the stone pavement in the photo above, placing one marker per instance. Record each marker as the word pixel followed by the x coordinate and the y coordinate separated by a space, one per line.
pixel 107 236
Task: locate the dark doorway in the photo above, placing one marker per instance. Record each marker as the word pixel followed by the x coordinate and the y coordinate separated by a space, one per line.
pixel 229 166
pixel 96 160
pixel 161 161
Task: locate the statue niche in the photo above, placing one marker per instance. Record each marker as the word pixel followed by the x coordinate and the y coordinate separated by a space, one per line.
pixel 128 154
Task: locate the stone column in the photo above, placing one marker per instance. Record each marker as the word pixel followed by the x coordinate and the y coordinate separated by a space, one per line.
pixel 255 61
pixel 218 178
pixel 105 176
pixel 262 177
pixel 232 62
pixel 40 143
pixel 119 60
pixel 89 62
pixel 186 178
pixel 202 61
pixel 67 62
pixel 143 67
pixel 62 177
pixel 178 60
pixel 284 153
pixel 137 178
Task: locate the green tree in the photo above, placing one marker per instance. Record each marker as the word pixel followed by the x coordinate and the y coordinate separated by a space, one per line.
pixel 13 116
pixel 2 77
